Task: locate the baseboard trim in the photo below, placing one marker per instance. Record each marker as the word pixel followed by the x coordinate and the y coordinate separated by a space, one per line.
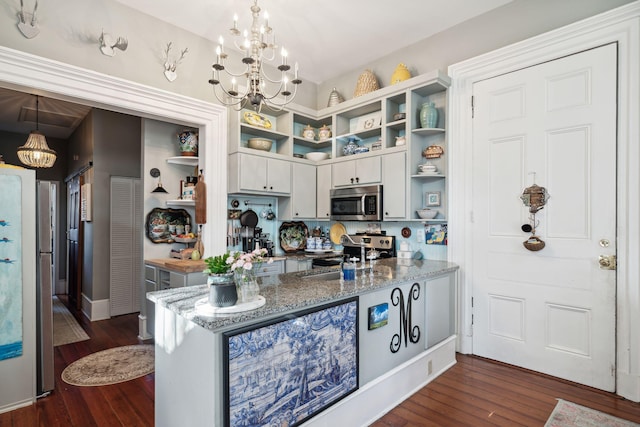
pixel 95 310
pixel 381 395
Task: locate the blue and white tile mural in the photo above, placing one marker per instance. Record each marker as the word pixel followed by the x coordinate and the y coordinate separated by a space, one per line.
pixel 283 373
pixel 10 266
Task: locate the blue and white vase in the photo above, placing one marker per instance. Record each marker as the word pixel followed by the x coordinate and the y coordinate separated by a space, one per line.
pixel 188 141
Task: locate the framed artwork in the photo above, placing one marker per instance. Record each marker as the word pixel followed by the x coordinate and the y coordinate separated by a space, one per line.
pixel 432 198
pixel 11 326
pixel 378 316
pixel 285 371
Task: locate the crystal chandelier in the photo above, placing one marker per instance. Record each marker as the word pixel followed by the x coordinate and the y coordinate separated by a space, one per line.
pixel 258 46
pixel 35 152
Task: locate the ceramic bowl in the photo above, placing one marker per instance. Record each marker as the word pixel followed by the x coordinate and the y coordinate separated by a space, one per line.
pixel 360 150
pixel 316 156
pixel 427 213
pixel 399 116
pixel 260 144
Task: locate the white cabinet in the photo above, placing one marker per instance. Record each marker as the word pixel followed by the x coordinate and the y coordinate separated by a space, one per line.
pixel 394 179
pixel 269 269
pixel 323 187
pixel 365 170
pixel 257 174
pixel 303 195
pixel 297 264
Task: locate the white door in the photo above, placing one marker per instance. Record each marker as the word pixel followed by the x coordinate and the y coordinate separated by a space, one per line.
pixel 551 310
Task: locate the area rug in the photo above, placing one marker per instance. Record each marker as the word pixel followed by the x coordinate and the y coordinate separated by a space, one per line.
pixel 568 414
pixel 111 366
pixel 66 329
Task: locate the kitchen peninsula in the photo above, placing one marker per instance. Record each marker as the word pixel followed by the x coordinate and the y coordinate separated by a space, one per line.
pixel 404 321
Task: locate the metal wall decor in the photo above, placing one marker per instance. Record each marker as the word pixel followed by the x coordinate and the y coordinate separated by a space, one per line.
pixel 535 198
pixel 408 330
pixel 27 22
pixel 108 44
pixel 170 65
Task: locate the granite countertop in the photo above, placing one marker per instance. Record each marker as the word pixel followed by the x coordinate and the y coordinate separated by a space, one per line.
pixel 285 293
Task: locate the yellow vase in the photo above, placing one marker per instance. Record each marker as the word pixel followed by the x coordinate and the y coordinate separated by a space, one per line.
pixel 400 74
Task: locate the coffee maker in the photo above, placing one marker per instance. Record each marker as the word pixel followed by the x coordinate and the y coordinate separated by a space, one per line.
pixel 248 238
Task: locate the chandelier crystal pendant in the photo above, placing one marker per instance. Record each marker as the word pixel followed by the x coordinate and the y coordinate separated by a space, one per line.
pixel 35 152
pixel 261 90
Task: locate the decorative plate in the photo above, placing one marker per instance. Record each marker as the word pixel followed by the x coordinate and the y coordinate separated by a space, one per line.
pixel 336 231
pixel 293 236
pixel 256 119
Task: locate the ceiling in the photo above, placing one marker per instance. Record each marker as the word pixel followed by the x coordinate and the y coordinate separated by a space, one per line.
pixel 327 38
pixel 314 33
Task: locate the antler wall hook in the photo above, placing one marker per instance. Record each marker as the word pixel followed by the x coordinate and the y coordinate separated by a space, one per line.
pixel 27 22
pixel 171 65
pixel 108 45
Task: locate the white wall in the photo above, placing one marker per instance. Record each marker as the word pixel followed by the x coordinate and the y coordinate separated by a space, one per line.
pixel 499 27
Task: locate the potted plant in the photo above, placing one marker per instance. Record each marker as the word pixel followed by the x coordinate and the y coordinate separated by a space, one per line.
pixel 222 288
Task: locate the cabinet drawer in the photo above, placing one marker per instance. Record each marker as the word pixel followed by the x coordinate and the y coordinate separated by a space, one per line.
pixel 178 280
pixel 275 267
pixel 150 273
pixel 150 286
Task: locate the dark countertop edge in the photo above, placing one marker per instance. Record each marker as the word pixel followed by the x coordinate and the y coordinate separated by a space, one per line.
pixel 289 292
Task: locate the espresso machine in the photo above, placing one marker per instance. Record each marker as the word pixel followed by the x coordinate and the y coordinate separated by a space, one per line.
pixel 252 236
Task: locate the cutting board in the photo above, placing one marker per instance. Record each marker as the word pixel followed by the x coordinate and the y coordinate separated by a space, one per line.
pixel 185 265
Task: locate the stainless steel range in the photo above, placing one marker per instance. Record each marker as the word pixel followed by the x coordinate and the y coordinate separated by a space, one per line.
pixel 383 244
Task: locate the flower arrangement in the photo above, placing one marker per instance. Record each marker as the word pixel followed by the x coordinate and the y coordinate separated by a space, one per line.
pixel 245 262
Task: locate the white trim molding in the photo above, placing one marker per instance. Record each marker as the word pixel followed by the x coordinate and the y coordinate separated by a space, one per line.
pixel 621 26
pixel 29 73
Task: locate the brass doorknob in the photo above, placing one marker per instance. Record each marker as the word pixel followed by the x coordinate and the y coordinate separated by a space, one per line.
pixel 607 262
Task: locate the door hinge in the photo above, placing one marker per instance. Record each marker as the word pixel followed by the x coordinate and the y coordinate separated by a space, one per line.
pixel 613 371
pixel 471 302
pixel 472 107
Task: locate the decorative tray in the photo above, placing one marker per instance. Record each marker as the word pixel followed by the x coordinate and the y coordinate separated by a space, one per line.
pixel 256 119
pixel 293 236
pixel 203 308
pixel 318 251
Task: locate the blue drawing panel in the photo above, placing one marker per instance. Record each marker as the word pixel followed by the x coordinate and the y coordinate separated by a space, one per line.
pixel 285 371
pixel 10 266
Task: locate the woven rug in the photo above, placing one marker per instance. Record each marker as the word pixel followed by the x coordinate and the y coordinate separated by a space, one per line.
pixel 568 414
pixel 66 329
pixel 111 366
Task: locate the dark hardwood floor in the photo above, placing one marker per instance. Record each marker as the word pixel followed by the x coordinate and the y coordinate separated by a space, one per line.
pixel 474 392
pixel 125 404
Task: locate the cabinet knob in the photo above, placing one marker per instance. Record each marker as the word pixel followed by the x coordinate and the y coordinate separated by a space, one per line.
pixel 357 179
pixel 352 180
pixel 327 214
pixel 265 187
pixel 296 213
pixel 270 188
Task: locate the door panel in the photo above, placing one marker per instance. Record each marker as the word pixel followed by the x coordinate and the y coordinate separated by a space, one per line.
pixel 74 243
pixel 553 310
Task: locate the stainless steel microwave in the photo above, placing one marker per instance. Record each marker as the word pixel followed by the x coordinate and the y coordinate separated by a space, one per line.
pixel 357 203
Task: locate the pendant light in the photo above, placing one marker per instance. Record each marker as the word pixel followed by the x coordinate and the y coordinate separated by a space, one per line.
pixel 35 152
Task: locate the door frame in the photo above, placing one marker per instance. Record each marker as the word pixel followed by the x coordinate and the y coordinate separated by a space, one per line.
pixel 621 26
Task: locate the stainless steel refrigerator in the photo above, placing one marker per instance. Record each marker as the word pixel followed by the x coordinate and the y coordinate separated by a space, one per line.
pixel 44 289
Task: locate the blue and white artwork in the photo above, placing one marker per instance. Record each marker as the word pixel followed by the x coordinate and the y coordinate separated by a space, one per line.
pixel 10 266
pixel 283 373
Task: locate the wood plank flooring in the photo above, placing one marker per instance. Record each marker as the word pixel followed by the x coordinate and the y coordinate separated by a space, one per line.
pixel 474 392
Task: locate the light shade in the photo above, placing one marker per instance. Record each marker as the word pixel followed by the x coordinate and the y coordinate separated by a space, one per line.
pixel 35 152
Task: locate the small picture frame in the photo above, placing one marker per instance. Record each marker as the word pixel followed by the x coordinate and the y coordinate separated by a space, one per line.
pixel 432 198
pixel 378 316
